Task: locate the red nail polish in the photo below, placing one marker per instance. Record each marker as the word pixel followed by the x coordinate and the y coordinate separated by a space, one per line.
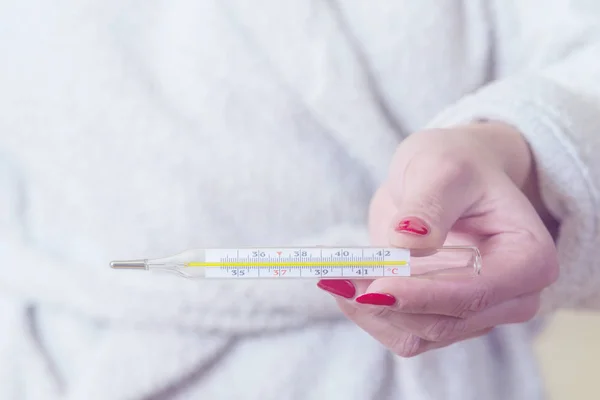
pixel 413 225
pixel 377 299
pixel 340 287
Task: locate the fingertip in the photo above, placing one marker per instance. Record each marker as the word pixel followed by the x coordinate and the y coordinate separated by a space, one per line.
pixel 412 225
pixel 384 290
pixel 339 287
pixel 413 232
pixel 377 299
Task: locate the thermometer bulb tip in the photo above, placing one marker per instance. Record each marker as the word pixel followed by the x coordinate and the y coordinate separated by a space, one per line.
pixel 129 264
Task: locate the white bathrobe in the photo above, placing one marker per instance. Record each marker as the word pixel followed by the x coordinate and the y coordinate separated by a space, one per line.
pixel 134 129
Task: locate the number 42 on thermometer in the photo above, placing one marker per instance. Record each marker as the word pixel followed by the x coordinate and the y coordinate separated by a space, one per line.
pixel 312 262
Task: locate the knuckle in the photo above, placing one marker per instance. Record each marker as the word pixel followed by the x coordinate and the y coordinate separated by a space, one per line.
pixel 445 167
pixel 454 169
pixel 381 312
pixel 481 300
pixel 416 305
pixel 476 302
pixel 407 346
pixel 431 205
pixel 443 329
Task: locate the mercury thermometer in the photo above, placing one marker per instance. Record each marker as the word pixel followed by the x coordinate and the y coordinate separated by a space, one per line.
pixel 311 262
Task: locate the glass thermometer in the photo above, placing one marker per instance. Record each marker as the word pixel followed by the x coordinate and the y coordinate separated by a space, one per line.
pixel 312 262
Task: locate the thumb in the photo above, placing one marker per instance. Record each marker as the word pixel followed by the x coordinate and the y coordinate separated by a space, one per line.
pixel 430 196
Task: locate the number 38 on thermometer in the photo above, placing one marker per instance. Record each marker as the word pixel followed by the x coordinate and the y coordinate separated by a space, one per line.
pixel 312 262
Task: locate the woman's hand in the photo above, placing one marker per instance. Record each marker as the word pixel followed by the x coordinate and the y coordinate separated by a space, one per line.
pixel 469 185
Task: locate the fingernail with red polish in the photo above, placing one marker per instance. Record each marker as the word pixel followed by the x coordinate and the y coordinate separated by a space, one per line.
pixel 340 287
pixel 377 299
pixel 412 225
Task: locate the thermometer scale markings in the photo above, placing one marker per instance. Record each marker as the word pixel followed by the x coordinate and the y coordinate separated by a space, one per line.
pixel 272 263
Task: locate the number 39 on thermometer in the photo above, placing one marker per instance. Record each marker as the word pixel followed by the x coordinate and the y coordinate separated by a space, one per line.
pixel 310 262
